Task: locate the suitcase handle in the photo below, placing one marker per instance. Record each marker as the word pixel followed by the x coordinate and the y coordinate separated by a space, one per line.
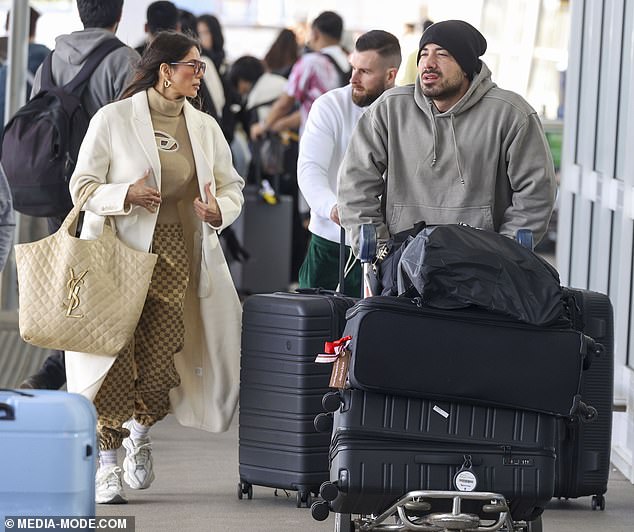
pixel 317 291
pixel 7 412
pixel 444 459
pixel 524 238
pixel 367 243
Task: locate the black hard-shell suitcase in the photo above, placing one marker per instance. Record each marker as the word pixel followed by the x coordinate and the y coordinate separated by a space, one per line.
pixel 281 388
pixel 384 446
pixel 474 356
pixel 583 450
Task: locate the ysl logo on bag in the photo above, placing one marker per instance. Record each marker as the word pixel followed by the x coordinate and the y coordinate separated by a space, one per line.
pixel 73 285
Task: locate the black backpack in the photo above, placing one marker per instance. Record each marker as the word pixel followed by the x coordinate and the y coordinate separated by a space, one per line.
pixel 344 75
pixel 40 143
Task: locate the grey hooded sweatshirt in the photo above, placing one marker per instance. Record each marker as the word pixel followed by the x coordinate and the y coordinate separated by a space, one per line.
pixel 484 162
pixel 108 80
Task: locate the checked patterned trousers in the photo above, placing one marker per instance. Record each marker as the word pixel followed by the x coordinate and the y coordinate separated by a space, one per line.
pixel 141 377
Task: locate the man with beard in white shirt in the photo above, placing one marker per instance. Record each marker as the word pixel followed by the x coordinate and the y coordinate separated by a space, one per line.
pixel 332 118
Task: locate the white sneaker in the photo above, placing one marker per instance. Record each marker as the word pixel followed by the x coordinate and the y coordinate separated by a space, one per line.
pixel 108 487
pixel 138 471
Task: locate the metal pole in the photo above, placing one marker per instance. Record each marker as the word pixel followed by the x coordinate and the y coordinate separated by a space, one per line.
pixel 17 58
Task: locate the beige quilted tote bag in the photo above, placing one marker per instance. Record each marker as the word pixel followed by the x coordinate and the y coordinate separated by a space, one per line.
pixel 81 295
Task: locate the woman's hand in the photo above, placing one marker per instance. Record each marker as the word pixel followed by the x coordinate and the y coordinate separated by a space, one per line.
pixel 140 194
pixel 208 211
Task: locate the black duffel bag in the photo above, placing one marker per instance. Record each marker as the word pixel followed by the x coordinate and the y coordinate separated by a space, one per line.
pixel 458 266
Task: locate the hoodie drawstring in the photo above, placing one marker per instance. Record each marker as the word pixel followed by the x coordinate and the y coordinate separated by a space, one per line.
pixel 455 146
pixel 433 129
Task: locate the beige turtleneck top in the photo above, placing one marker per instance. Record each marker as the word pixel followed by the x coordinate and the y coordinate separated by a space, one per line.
pixel 175 154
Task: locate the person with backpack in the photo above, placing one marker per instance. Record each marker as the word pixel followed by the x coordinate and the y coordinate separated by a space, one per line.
pixel 100 19
pixel 165 179
pixel 104 85
pixel 312 75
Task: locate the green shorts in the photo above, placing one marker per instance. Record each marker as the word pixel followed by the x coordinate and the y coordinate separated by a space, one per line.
pixel 320 268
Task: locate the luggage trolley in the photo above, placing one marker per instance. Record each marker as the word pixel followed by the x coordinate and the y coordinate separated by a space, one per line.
pixel 418 510
pixel 415 512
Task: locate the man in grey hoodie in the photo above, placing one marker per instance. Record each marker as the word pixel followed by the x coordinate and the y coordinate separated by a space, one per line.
pixel 100 19
pixel 453 147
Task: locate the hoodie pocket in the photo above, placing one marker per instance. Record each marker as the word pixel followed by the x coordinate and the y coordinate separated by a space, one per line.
pixel 404 216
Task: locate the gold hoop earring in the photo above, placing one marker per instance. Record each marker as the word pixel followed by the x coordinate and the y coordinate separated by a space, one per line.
pixel 167 83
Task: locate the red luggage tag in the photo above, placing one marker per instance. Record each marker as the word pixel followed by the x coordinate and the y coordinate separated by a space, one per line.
pixel 333 350
pixel 329 356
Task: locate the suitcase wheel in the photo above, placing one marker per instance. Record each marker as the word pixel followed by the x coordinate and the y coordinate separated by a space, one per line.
pixel 320 510
pixel 598 501
pixel 328 491
pixel 323 422
pixel 303 498
pixel 535 525
pixel 245 488
pixel 331 401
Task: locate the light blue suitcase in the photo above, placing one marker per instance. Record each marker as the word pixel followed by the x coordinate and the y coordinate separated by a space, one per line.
pixel 47 454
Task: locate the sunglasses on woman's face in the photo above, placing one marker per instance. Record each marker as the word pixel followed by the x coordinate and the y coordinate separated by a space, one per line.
pixel 198 66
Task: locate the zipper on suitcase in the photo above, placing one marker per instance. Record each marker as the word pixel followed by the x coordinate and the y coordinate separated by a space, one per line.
pixel 512 455
pixel 375 436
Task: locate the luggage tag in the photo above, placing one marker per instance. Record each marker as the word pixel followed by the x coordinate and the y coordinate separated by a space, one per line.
pixel 339 375
pixel 465 479
pixel 338 353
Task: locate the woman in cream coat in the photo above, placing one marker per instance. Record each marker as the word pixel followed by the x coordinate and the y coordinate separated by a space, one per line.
pixel 168 183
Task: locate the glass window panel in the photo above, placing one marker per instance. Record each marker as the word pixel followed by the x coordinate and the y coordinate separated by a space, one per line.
pixel 627 79
pixel 544 88
pixel 506 21
pixel 553 26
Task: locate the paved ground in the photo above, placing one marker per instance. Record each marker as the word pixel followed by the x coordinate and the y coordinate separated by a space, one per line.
pixel 196 490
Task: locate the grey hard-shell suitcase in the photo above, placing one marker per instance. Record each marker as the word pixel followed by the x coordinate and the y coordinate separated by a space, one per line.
pixel 281 388
pixel 583 449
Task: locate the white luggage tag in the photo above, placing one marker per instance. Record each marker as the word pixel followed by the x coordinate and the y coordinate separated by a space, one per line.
pixel 465 479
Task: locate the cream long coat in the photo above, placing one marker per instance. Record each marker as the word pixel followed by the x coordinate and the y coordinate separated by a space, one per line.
pixel 117 149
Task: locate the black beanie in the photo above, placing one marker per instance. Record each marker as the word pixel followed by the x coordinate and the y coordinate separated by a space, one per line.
pixel 460 39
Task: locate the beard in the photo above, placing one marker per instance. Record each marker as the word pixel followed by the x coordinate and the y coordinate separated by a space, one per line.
pixel 365 98
pixel 444 88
